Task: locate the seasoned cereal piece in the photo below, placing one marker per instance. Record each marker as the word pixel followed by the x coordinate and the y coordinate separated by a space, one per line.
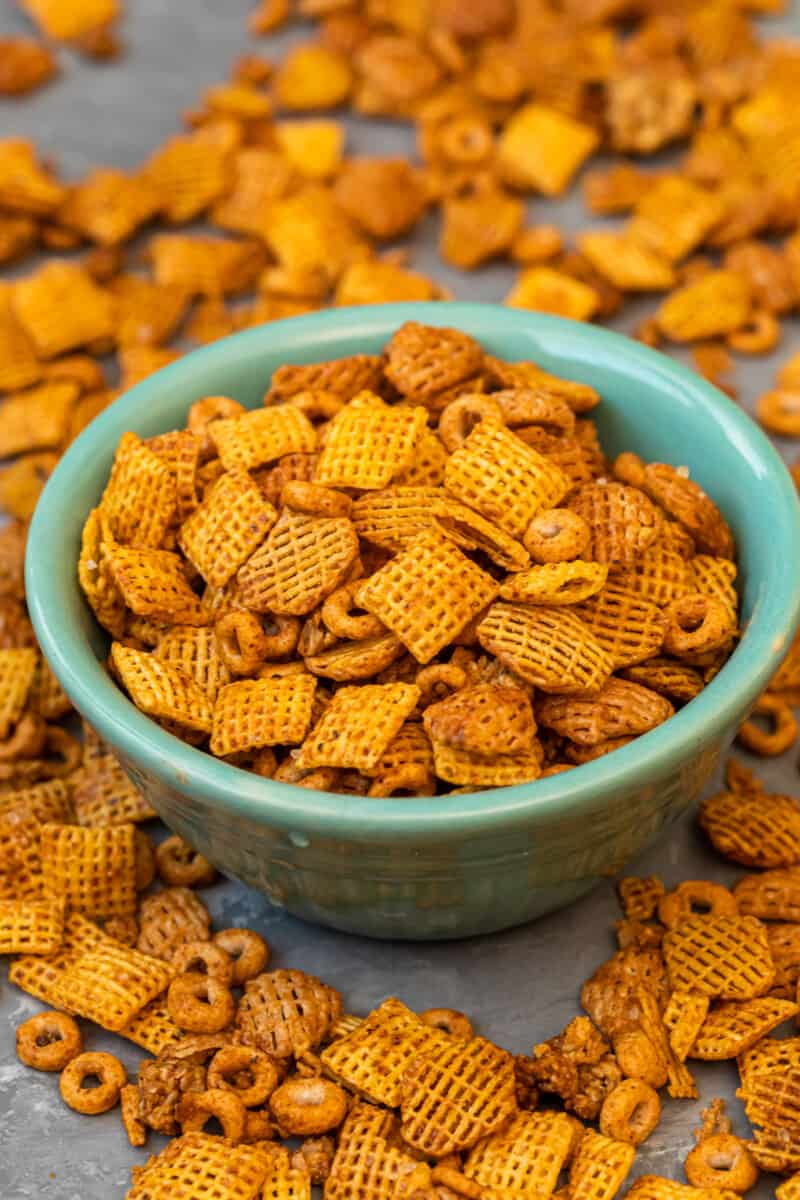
pixel 649 107
pixel 683 1019
pixel 734 1028
pixel 726 957
pixel 145 312
pixel 610 995
pixel 205 266
pixel 312 76
pixel 263 436
pixel 140 498
pixel 549 647
pixel 102 794
pixel 200 1163
pixel 623 522
pixel 229 525
pixel 153 584
pixel 674 217
pixel 111 983
pixel 308 232
pixel 754 830
pixel 423 360
pixel 479 226
pixel 640 897
pixel 162 691
pixel 626 262
pixel 36 419
pixel 302 560
pixel 91 870
pixel 394 516
pixel 427 594
pixel 19 365
pixel 657 574
pixel 619 709
pixel 368 443
pixel 194 652
pixel 454 1095
pixel 25 186
pixel 483 719
pixel 287 1013
pixel 465 768
pixel 345 377
pixel 252 713
pixel 717 303
pixel 385 196
pixel 526 1156
pixel 541 148
pixel 31 926
pixel 686 502
pixel 357 726
pixel 17 673
pixel 545 289
pixel 505 480
pixel 628 628
pixel 170 918
pixel 61 308
pixel 108 206
pixel 371 1161
pixel 191 171
pixel 771 895
pixel 600 1167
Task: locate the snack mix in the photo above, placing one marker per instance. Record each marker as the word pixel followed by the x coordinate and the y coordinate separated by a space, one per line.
pixel 405 573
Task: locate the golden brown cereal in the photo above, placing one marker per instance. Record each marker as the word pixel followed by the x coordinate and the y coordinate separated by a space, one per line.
pixel 640 897
pixel 600 1166
pixel 17 672
pixel 555 583
pixel 726 957
pixel 307 1107
pixel 162 691
pixel 681 1085
pixel 721 1161
pixel 110 984
pixel 200 1003
pixel 48 1041
pixel 253 713
pixel 485 719
pixel 734 1028
pixel 252 1075
pixel 108 1070
pixel 557 535
pixel 203 958
pixel 541 148
pixel 153 584
pixel 683 1018
pixel 755 830
pixel 524 1157
pixel 61 308
pixel 367 1165
pixel 92 870
pixel 286 1013
pixel 179 865
pixel 170 918
pixel 232 521
pixel 31 926
pixel 697 625
pixel 551 648
pixel 195 1109
pixel 619 709
pixel 358 725
pixel 779 738
pixel 449 1020
pixel 695 898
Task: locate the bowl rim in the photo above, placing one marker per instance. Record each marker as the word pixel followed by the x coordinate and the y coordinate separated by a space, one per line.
pixel 227 788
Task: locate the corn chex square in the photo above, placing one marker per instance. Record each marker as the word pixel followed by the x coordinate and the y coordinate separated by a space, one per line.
pixel 370 1164
pixel 92 870
pixel 31 926
pixel 454 1096
pixel 358 725
pixel 302 560
pixel 725 957
pixel 17 671
pixel 40 975
pixel 153 1028
pixel 153 584
pixel 195 653
pixel 199 1166
pixel 526 1156
pixel 140 498
pixel 37 418
pixel 229 525
pixel 162 691
pixel 252 713
pixel 20 857
pixel 507 481
pixel 600 1167
pixel 103 794
pixel 111 983
pixel 428 593
pixel 60 307
pixel 260 437
pixel 369 443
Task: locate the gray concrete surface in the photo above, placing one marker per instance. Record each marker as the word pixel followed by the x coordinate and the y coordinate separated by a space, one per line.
pixel 519 987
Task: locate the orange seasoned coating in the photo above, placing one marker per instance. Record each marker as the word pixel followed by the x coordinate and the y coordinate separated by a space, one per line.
pixel 227 527
pixel 252 713
pixel 726 957
pixel 91 870
pixel 548 647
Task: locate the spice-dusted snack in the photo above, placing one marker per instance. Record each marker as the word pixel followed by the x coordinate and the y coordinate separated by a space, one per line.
pixel 305 600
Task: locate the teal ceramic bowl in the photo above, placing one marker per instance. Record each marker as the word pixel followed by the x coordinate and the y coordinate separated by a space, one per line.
pixel 461 864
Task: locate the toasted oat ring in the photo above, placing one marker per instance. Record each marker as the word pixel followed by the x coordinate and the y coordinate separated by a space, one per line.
pixel 556 535
pixel 145 860
pixel 27 740
pixel 450 1020
pixel 339 619
pixel 308 1105
pixel 200 1003
pixel 630 1112
pixel 250 1074
pixel 459 417
pixel 180 865
pixel 779 411
pixel 721 1161
pixel 407 779
pixel 197 1108
pixel 438 681
pixel 314 499
pixel 48 1041
pixel 697 624
pixel 111 1074
pixel 695 898
pixel 66 748
pixel 202 415
pixel 465 140
pixel 760 335
pixel 241 641
pixel 639 1058
pixel 247 950
pixel 776 740
pixel 317 404
pixel 452 1179
pixel 282 635
pixel 203 958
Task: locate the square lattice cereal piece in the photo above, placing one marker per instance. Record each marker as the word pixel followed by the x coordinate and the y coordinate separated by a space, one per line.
pixel 261 437
pixel 103 795
pixel 732 1029
pixel 369 442
pixel 486 718
pixel 653 1187
pixel 658 574
pixel 43 802
pixel 140 499
pixel 629 628
pixel 674 216
pixel 771 895
pixel 369 1163
pixel 302 561
pixel 283 1181
pixel 31 926
pixel 108 206
pixel 229 525
pixel 66 21
pixel 394 516
pixel 153 1029
pixel 465 768
pixel 92 870
pixel 180 450
pixel 20 857
pixel 426 468
pixel 683 1020
pixel 543 148
pixel 373 1058
pixel 600 1167
pixel 195 653
pixel 508 482
pixel 17 671
pixel 40 975
pixel 61 308
pixel 526 1157
pixel 681 1085
pixel 357 726
pixel 252 713
pixel 19 366
pixel 111 983
pixel 622 520
pixel 162 691
pixel 625 262
pixel 639 897
pixel 724 957
pixel 454 1096
pixel 345 377
pixel 427 594
pixel 286 1013
pixel 423 361
pixel 199 1166
pixel 549 647
pixel 756 830
pixel 153 584
pixel 37 418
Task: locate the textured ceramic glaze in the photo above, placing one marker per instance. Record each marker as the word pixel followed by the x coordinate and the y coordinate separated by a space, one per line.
pixel 451 866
